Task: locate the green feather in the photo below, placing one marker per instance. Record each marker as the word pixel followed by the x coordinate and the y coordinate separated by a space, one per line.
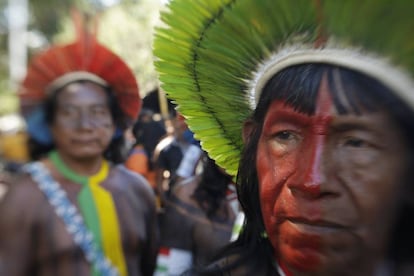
pixel 208 50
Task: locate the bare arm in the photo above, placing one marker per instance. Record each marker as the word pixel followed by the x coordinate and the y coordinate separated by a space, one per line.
pixel 17 227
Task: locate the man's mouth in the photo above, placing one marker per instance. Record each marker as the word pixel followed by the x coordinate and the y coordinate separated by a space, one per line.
pixel 319 223
pixel 83 141
pixel 313 227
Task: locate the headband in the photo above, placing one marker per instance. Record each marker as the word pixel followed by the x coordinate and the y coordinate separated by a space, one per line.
pixel 84 59
pixel 73 77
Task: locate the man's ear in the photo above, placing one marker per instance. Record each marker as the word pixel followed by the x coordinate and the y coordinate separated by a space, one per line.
pixel 248 127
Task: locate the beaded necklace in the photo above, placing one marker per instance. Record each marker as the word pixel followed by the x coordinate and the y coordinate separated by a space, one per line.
pixel 97 208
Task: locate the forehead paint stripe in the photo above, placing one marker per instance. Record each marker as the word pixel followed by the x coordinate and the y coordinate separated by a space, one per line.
pixel 324 102
pixel 310 178
pixel 314 144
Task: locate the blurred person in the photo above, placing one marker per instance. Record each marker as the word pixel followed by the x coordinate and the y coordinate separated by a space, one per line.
pixel 13 140
pixel 76 210
pixel 13 149
pixel 169 153
pixel 153 130
pixel 146 133
pixel 197 220
pixel 189 163
pixel 311 103
pixel 156 102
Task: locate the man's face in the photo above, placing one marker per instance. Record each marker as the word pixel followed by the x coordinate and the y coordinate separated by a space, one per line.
pixel 328 185
pixel 83 125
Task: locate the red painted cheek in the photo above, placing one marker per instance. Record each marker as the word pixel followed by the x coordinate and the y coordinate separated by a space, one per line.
pixel 298 250
pixel 270 188
pixel 267 183
pixel 293 183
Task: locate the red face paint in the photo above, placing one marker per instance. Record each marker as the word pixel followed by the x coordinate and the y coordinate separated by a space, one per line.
pixel 329 186
pixel 290 156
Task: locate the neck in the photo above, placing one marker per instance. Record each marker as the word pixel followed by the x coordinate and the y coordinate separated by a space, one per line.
pixel 82 166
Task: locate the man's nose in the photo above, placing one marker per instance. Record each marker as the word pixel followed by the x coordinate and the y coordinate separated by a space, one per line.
pixel 310 175
pixel 85 120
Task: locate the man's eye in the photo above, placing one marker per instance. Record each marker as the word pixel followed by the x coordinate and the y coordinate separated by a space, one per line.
pixel 99 111
pixel 68 111
pixel 354 142
pixel 284 135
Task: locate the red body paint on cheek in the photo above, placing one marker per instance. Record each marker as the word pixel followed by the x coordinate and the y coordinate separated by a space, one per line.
pixel 299 249
pixel 290 181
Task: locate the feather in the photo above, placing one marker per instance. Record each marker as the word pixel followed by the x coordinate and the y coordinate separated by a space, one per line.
pixel 85 54
pixel 211 52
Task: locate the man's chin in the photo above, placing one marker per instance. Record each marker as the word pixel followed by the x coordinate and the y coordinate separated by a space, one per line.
pixel 86 155
pixel 314 261
pixel 317 249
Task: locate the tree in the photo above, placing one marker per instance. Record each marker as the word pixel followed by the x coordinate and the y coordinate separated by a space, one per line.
pixel 50 20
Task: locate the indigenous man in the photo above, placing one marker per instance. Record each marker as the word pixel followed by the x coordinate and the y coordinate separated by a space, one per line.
pixel 317 97
pixel 75 211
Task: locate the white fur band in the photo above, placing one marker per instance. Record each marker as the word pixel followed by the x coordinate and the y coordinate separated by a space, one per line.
pixel 378 68
pixel 72 77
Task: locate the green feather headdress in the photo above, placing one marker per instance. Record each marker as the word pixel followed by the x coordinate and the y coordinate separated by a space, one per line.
pixel 215 56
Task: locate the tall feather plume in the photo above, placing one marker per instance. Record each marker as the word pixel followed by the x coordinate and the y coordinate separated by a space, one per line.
pixel 213 55
pixel 209 51
pixel 84 54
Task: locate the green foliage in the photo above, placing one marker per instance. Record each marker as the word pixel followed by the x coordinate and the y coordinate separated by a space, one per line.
pixel 126 28
pixel 47 16
pixel 8 103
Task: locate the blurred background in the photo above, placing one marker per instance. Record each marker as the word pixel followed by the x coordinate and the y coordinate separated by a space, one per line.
pixel 29 26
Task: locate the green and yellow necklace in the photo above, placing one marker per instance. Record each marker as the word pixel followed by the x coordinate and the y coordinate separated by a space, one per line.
pixel 98 210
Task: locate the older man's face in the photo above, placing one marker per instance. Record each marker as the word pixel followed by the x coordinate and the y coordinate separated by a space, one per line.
pixel 328 185
pixel 83 126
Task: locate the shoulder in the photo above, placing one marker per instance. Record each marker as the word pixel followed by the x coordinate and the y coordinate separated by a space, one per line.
pixel 22 198
pixel 22 185
pixel 129 181
pixel 131 190
pixel 137 160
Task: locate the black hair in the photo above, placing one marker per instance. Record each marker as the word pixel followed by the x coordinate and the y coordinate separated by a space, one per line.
pixel 114 151
pixel 148 132
pixel 298 86
pixel 211 190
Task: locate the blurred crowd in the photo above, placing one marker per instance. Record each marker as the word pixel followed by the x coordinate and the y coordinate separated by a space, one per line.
pixel 196 200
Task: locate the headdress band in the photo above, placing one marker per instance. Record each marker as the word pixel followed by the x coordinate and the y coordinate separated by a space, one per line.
pixel 72 77
pixel 376 67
